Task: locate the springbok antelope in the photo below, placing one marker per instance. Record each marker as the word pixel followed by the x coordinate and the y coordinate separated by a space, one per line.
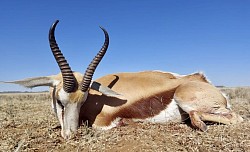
pixel 150 96
pixel 69 89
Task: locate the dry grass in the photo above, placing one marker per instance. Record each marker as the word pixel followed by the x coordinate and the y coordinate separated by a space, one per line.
pixel 27 123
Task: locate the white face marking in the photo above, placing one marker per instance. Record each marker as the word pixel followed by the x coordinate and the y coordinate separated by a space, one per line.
pixel 69 115
pixel 63 96
pixel 71 119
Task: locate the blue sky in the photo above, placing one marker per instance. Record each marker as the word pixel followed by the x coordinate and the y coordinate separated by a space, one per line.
pixel 179 36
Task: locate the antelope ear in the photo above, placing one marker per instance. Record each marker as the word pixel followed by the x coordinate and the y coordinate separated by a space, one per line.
pixel 36 82
pixel 105 90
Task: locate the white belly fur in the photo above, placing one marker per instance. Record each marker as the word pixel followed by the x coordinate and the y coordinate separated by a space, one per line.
pixel 170 114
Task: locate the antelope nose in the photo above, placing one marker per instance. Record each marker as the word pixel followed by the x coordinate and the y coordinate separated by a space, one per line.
pixel 66 135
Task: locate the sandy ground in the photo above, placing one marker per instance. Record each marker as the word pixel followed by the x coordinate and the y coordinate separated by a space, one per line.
pixel 27 123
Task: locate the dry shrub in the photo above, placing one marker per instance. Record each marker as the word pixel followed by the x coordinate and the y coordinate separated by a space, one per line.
pixel 27 123
pixel 239 92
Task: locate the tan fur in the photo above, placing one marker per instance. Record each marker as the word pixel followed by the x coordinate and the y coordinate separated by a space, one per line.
pixel 205 92
pixel 150 92
pixel 149 95
pixel 76 96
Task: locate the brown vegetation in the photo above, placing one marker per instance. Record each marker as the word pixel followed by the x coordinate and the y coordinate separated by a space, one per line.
pixel 27 123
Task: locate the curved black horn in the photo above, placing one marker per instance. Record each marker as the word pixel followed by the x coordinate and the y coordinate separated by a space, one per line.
pixel 69 82
pixel 92 66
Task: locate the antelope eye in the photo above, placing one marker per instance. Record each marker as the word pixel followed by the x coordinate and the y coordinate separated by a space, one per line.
pixel 60 103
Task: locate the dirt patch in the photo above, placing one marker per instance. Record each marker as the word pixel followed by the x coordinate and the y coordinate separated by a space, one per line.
pixel 27 123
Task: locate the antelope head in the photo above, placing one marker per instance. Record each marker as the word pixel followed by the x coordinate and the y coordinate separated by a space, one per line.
pixel 69 89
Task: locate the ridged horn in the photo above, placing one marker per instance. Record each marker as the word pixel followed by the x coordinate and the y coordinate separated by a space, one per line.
pixel 94 63
pixel 69 82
